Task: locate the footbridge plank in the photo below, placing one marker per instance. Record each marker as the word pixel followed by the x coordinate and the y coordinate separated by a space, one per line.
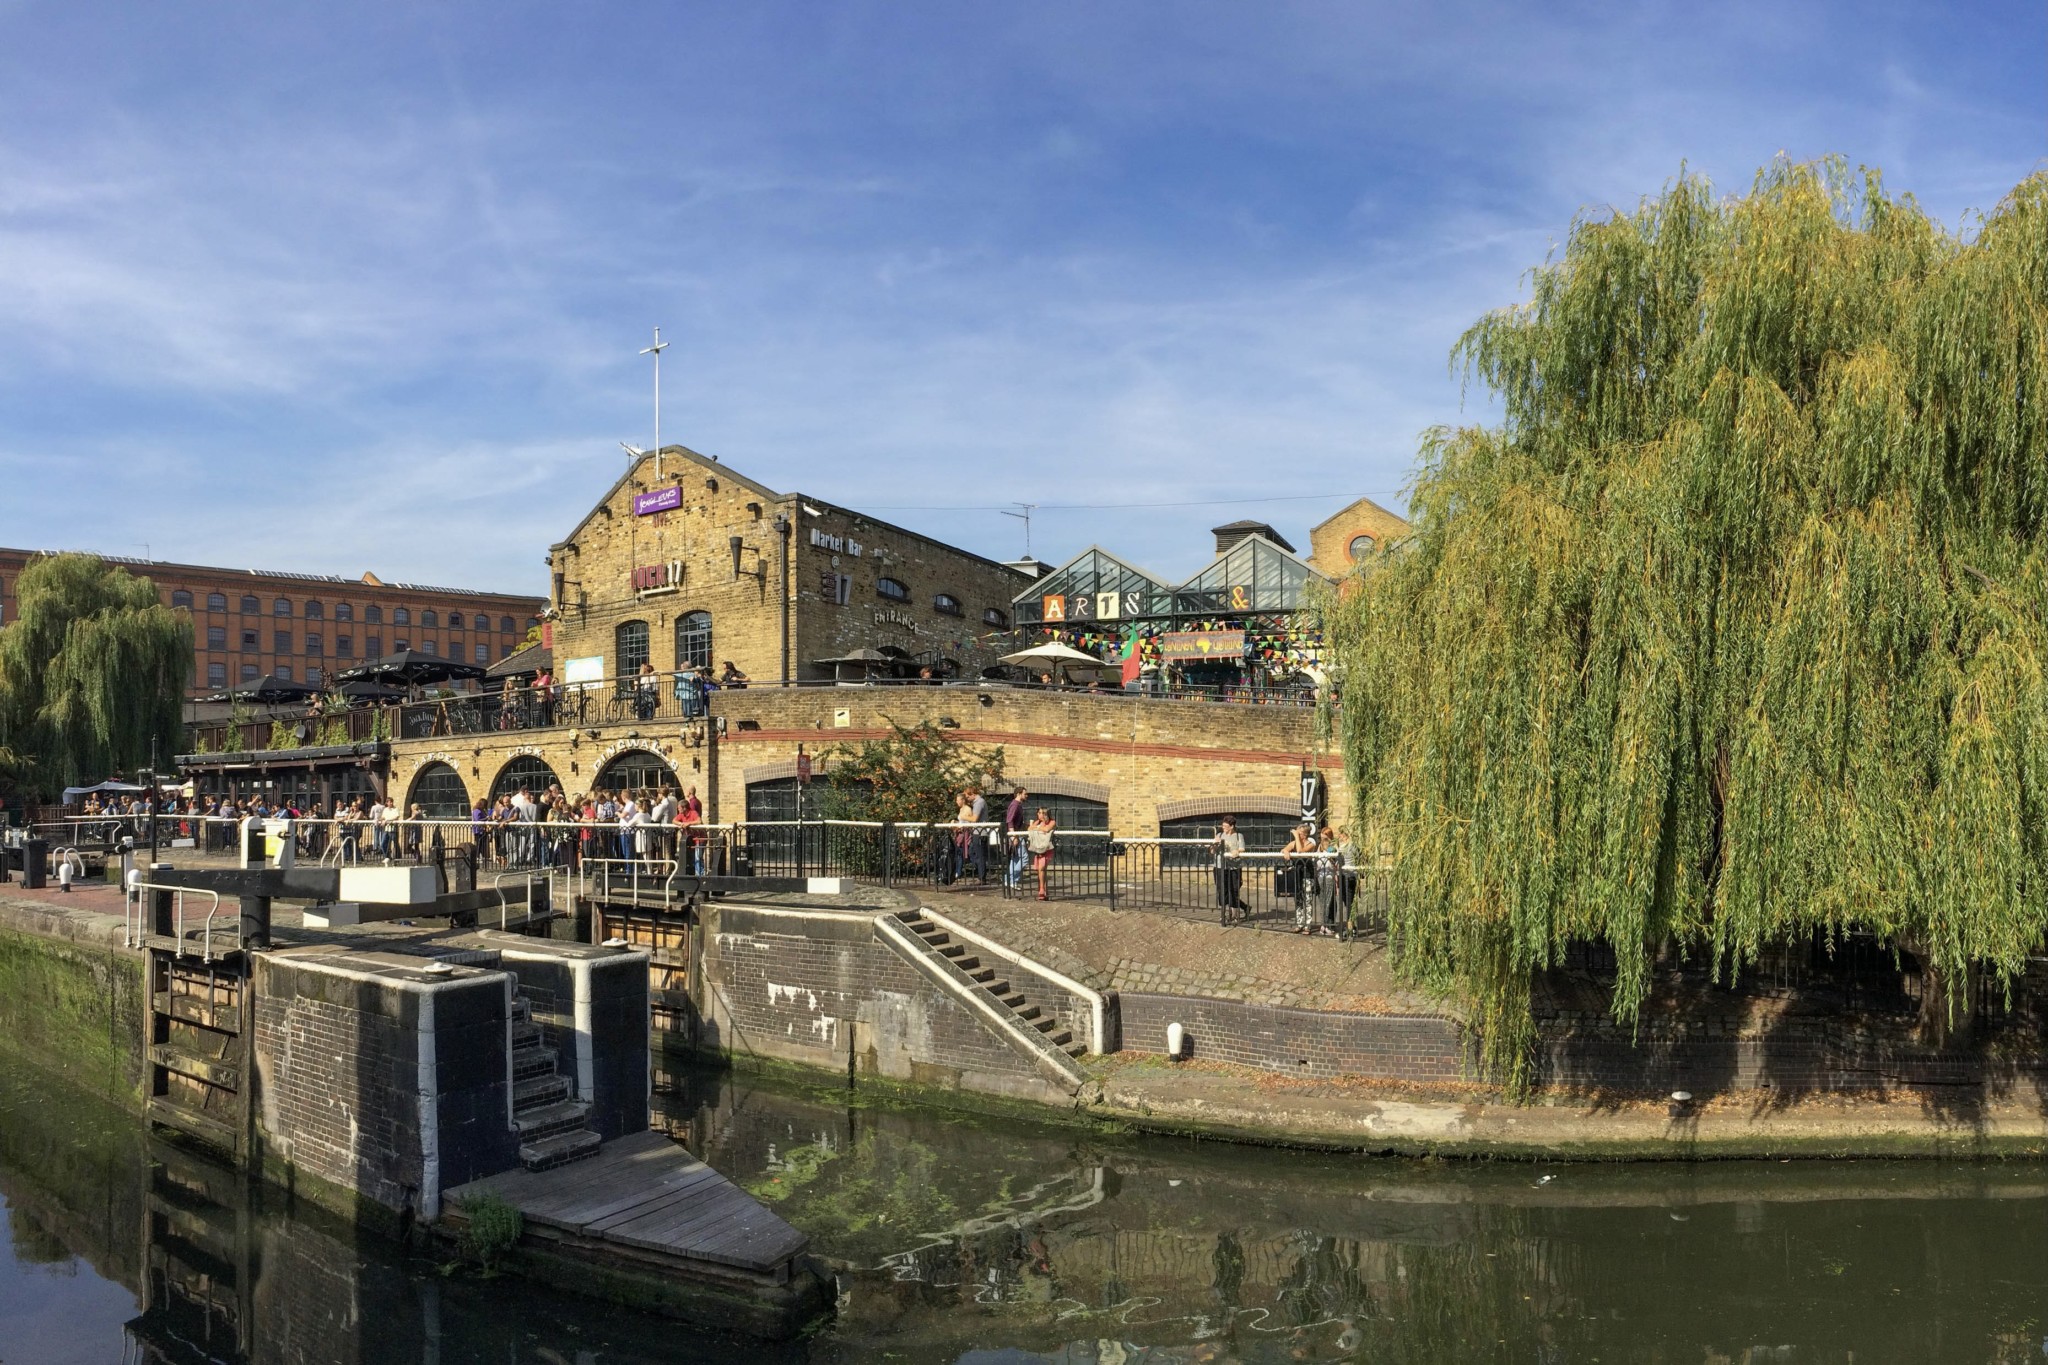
pixel 647 1193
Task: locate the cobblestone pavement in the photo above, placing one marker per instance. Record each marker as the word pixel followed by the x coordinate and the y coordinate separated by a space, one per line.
pixel 1131 950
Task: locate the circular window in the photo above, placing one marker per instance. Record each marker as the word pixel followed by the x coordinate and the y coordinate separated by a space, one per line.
pixel 1361 546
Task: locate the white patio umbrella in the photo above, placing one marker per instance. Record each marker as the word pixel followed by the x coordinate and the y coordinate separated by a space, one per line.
pixel 1050 653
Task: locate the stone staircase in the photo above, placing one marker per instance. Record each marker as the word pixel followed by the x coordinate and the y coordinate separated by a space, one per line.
pixel 551 1125
pixel 992 978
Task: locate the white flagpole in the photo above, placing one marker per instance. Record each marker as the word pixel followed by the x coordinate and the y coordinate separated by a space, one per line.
pixel 655 350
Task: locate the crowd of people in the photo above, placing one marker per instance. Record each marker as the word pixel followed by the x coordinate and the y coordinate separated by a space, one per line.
pixel 1318 872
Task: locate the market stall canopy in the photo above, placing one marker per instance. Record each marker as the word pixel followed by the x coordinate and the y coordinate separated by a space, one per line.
pixel 409 666
pixel 72 794
pixel 1052 653
pixel 268 688
pixel 522 663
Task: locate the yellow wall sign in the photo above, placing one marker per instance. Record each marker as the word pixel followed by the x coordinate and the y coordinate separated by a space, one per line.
pixel 1225 645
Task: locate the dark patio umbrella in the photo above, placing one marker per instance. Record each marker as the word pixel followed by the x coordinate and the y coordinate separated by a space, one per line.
pixel 268 688
pixel 369 691
pixel 409 667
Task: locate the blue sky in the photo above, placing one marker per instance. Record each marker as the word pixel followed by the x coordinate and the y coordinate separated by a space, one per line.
pixel 345 287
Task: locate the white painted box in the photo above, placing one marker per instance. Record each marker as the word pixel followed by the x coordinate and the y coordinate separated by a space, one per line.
pixel 389 885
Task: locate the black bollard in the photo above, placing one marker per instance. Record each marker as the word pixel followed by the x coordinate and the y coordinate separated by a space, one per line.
pixel 256 922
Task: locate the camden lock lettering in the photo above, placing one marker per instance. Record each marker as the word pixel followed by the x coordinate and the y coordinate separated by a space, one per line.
pixel 658 577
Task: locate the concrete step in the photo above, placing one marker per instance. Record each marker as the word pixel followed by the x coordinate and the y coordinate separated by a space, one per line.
pixel 559 1150
pixel 530 1062
pixel 1075 1049
pixel 538 1093
pixel 522 1010
pixel 550 1120
pixel 525 1036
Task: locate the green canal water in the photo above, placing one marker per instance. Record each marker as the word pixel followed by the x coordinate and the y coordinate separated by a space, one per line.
pixel 1000 1244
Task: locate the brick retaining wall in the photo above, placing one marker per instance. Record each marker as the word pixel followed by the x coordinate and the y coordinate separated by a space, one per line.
pixel 1299 1042
pixel 823 990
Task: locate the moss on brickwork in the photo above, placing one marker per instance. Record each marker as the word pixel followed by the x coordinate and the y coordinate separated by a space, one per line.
pixel 75 1010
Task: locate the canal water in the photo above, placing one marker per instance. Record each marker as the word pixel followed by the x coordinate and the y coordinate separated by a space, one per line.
pixel 1005 1244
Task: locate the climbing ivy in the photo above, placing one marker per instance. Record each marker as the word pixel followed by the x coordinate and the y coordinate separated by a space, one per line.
pixel 1731 630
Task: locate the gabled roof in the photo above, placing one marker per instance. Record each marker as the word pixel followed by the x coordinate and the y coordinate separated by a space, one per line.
pixel 1057 581
pixel 1273 579
pixel 671 452
pixel 1237 530
pixel 1352 506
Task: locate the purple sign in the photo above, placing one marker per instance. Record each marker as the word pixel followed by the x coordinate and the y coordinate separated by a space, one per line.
pixel 660 500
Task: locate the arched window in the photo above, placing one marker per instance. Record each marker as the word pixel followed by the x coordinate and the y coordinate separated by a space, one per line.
pixel 455 620
pixel 637 770
pixel 428 619
pixel 344 611
pixel 438 791
pixel 947 603
pixel 1073 814
pixel 374 615
pixel 401 617
pixel 1263 832
pixel 315 612
pixel 281 607
pixel 216 601
pixel 892 590
pixel 629 647
pixel 250 606
pixel 182 598
pixel 526 771
pixel 505 624
pixel 693 640
pixel 996 618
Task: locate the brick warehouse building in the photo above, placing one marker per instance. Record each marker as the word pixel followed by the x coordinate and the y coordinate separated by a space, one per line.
pixel 699 564
pixel 303 627
pixel 702 565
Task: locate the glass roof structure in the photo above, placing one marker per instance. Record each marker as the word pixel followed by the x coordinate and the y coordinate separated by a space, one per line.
pixel 1082 589
pixel 1253 576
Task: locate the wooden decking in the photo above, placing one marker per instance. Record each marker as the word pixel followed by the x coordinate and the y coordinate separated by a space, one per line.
pixel 648 1198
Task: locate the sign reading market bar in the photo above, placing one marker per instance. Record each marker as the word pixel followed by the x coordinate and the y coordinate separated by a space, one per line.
pixel 660 500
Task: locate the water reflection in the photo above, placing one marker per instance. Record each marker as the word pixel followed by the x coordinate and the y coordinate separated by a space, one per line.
pixel 1000 1242
pixel 974 1241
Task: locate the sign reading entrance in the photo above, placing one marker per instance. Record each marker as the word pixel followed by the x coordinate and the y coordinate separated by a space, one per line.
pixel 658 577
pixel 660 500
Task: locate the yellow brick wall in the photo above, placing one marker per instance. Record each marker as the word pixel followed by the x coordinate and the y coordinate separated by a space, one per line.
pixel 1136 754
pixel 594 572
pixel 1330 543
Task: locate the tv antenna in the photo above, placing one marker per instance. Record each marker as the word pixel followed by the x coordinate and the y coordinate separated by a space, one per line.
pixel 655 350
pixel 1025 517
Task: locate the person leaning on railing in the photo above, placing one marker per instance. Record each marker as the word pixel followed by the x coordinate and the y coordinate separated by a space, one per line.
pixel 1229 872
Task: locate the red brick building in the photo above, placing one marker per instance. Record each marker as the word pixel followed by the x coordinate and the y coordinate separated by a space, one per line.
pixel 306 627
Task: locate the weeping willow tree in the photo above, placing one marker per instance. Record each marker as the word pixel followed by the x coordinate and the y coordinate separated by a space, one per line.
pixel 92 670
pixel 1732 630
